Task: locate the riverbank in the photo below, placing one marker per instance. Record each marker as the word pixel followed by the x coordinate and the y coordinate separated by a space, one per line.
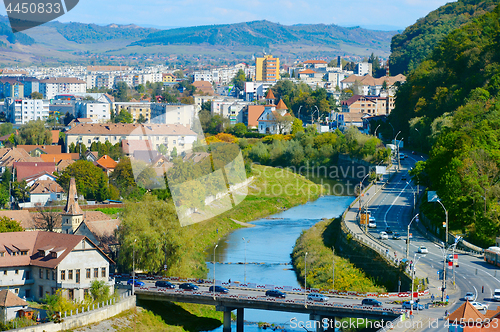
pixel 318 242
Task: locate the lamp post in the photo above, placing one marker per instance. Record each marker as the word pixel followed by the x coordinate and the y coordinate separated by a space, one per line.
pixel 133 267
pixel 305 278
pixel 214 268
pixel 299 111
pixel 318 112
pixel 245 241
pixel 415 260
pixel 375 134
pixel 408 236
pixel 333 268
pixel 360 197
pixel 397 147
pixel 444 251
pixel 312 117
pixel 446 221
pixel 414 194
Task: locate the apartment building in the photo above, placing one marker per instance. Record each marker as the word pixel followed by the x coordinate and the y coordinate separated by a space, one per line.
pixel 61 85
pixel 162 113
pixel 364 68
pixel 267 69
pixel 136 109
pixel 96 111
pixel 21 111
pixel 35 264
pixel 370 105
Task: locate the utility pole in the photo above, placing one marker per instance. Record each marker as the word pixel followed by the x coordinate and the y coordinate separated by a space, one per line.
pixel 333 269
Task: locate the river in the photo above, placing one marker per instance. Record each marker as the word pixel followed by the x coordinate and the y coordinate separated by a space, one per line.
pixel 266 249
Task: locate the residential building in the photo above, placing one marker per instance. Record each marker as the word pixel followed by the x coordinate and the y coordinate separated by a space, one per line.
pixel 253 113
pixel 136 109
pixel 37 150
pixel 368 105
pixel 11 305
pixel 267 69
pixel 44 192
pixel 256 90
pixel 363 68
pixel 8 156
pixel 171 135
pixel 203 87
pixel 275 119
pixel 61 85
pixel 106 163
pixel 36 264
pixel 24 170
pixel 168 78
pixel 181 114
pixel 96 111
pixel 11 87
pixel 21 111
pixel 374 86
pixel 311 75
pixel 315 64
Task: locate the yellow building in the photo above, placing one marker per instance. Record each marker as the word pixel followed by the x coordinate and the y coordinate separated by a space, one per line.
pixel 267 69
pixel 168 78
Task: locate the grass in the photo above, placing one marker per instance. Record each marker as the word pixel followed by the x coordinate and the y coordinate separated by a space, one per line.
pixel 317 242
pixel 113 212
pixel 272 191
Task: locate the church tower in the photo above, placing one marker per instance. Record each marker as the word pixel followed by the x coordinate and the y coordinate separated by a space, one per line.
pixel 73 214
pixel 270 98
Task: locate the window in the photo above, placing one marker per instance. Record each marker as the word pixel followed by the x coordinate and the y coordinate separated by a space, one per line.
pixel 2 254
pixel 17 272
pixel 77 276
pixel 28 274
pixel 87 273
pixel 103 272
pixel 70 274
pixel 47 274
pixel 53 275
pixel 40 273
pixel 63 275
pixel 96 272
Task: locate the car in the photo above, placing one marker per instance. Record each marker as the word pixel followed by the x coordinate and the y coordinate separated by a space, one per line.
pixel 416 306
pixel 404 178
pixel 137 283
pixel 388 231
pixel 275 293
pixel 317 297
pixel 469 296
pixel 383 236
pixel 164 284
pixel 402 156
pixel 396 236
pixel 218 289
pixel 188 286
pixel 371 302
pixel 479 306
pixel 496 294
pixel 372 223
pixel 423 250
pixel 449 258
pixel 413 152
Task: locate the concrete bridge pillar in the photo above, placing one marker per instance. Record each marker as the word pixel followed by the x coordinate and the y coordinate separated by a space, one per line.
pixel 317 322
pixel 331 324
pixel 227 321
pixel 239 319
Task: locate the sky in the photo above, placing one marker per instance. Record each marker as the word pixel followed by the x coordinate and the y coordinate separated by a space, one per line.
pixel 174 13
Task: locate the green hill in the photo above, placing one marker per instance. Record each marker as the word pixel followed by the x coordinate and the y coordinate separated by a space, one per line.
pixel 453 100
pixel 418 40
pixel 265 34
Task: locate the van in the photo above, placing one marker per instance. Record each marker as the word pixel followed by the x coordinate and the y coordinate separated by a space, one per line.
pixel 401 156
pixel 496 295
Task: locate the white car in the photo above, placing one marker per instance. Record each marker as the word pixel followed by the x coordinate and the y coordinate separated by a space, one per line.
pixel 469 296
pixel 372 223
pixel 479 306
pixel 422 250
pixel 317 297
pixel 383 236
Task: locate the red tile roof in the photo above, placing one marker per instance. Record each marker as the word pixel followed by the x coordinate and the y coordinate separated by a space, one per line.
pixel 52 149
pixel 315 61
pixel 72 208
pixel 22 216
pixel 9 299
pixel 270 94
pixel 27 169
pixel 55 136
pixel 254 112
pixel 307 71
pixel 106 162
pixel 57 157
pixel 466 312
pixel 281 105
pixel 45 187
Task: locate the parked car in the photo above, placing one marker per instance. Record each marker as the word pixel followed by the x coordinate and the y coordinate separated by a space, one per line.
pixel 275 293
pixel 383 236
pixel 396 236
pixel 188 286
pixel 496 295
pixel 406 305
pixel 371 302
pixel 479 306
pixel 469 296
pixel 137 283
pixel 218 289
pixel 317 297
pixel 164 284
pixel 423 250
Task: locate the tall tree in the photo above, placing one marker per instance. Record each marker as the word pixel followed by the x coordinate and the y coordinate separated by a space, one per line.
pixel 34 132
pixel 91 181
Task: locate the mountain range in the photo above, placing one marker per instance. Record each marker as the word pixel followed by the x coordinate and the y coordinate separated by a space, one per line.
pixel 73 42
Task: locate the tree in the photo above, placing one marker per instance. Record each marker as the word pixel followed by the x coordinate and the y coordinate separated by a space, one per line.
pixel 8 225
pixel 179 74
pixel 20 191
pixel 124 117
pixel 239 80
pixel 283 122
pixel 141 119
pixel 91 181
pixel 68 118
pixel 173 154
pixel 123 179
pixel 36 95
pixel 47 220
pixel 32 133
pixel 297 126
pixel 238 130
pixel 6 129
pixel 162 149
pixel 121 93
pixel 99 291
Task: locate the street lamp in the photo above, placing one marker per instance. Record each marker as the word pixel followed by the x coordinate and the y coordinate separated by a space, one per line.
pixel 318 111
pixel 446 216
pixel 444 251
pixel 397 147
pixel 214 268
pixel 415 260
pixel 333 269
pixel 375 134
pixel 305 278
pixel 245 242
pixel 408 236
pixel 133 267
pixel 299 111
pixel 360 197
pixel 414 193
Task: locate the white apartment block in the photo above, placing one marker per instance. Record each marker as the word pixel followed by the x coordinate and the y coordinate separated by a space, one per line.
pixel 256 90
pixel 21 111
pixel 181 114
pixel 52 87
pixel 97 112
pixel 363 68
pixel 223 75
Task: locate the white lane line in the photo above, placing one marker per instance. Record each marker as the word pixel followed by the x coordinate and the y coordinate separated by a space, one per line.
pixel 395 199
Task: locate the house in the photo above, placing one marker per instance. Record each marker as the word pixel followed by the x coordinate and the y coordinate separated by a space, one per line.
pixel 8 156
pixel 253 112
pixel 43 192
pixel 106 163
pixel 102 232
pixel 57 157
pixel 468 319
pixel 36 264
pixel 30 180
pixel 78 121
pixel 24 218
pixel 275 119
pixel 63 164
pixel 24 170
pixel 370 105
pixel 203 87
pixel 91 155
pixel 10 305
pixel 37 150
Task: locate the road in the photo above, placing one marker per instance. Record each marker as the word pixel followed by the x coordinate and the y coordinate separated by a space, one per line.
pixel 393 208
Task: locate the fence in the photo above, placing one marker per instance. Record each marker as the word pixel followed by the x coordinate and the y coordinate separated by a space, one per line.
pixel 90 315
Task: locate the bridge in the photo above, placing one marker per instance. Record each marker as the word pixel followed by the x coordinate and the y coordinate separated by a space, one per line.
pixel 226 303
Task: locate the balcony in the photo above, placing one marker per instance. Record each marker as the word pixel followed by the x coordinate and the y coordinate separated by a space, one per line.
pixel 17 282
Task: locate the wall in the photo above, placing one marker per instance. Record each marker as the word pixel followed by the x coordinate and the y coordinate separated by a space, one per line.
pixel 86 318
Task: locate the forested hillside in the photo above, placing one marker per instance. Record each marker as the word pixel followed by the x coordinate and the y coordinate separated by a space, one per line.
pixel 453 101
pixel 418 40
